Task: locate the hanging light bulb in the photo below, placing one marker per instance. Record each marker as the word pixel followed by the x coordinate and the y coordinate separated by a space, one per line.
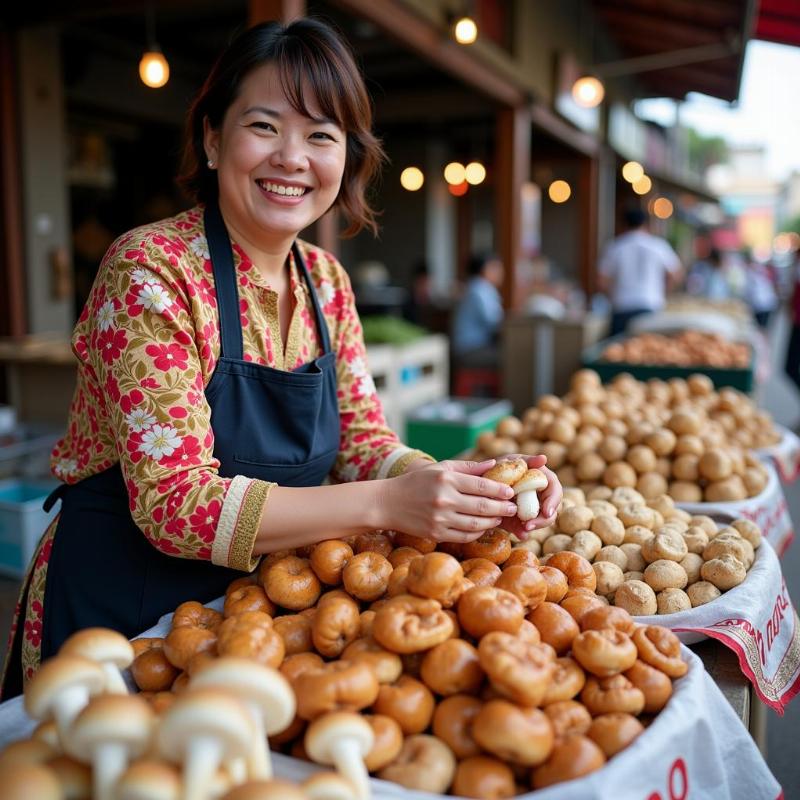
pixel 465 30
pixel 153 67
pixel 455 173
pixel 588 91
pixel 662 208
pixel 412 178
pixel 559 191
pixel 632 171
pixel 475 173
pixel 643 185
pixel 458 189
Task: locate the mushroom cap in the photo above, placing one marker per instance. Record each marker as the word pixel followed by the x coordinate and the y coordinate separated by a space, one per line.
pixel 120 718
pixel 58 674
pixel 255 684
pixel 266 790
pixel 325 731
pixel 75 778
pixel 149 780
pixel 531 481
pixel 27 751
pixel 100 644
pixel 28 781
pixel 205 712
pixel 329 786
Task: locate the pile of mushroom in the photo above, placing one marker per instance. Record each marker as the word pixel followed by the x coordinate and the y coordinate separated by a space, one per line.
pixel 95 740
pixel 649 558
pixel 678 437
pixel 685 349
pixel 469 669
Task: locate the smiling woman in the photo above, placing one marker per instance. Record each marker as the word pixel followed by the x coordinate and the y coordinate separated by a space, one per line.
pixel 222 370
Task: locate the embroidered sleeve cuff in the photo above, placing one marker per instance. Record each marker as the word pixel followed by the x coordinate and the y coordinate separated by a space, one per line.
pixel 238 524
pixel 401 464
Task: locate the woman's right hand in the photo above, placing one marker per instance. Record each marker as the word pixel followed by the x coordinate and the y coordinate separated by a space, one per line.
pixel 448 502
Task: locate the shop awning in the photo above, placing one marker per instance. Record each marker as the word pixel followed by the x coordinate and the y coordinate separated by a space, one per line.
pixel 778 21
pixel 662 27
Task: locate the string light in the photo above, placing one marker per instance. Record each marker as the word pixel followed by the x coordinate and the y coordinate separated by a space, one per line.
pixel 475 173
pixel 458 189
pixel 412 178
pixel 465 30
pixel 662 207
pixel 632 171
pixel 455 173
pixel 559 191
pixel 588 91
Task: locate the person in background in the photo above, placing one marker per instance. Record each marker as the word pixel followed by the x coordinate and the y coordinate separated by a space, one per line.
pixel 707 278
pixel 636 271
pixel 417 307
pixel 479 315
pixel 760 292
pixel 792 363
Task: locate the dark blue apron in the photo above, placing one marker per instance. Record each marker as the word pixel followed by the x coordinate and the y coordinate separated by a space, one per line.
pixel 268 424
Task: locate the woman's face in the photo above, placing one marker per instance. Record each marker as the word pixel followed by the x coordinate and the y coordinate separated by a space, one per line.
pixel 278 170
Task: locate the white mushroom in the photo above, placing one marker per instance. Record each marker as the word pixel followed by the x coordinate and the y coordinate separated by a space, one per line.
pixel 29 781
pixel 61 689
pixel 266 693
pixel 149 780
pixel 111 731
pixel 108 648
pixel 526 489
pixel 329 786
pixel 342 739
pixel 202 729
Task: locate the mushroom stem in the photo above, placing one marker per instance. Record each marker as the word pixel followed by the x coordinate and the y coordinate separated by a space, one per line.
pixel 347 759
pixel 203 757
pixel 109 761
pixel 259 762
pixel 115 684
pixel 527 505
pixel 67 706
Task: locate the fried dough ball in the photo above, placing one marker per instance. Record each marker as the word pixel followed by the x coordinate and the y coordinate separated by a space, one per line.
pixel 556 581
pixel 481 776
pixel 653 683
pixel 452 723
pixel 425 763
pixel 517 670
pixel 483 609
pixel 568 717
pixel 366 575
pixel 525 582
pixel 251 635
pixel 614 732
pixel 578 570
pixel 609 577
pixel 386 665
pixel 556 626
pixel 247 598
pixel 329 558
pixel 568 680
pixel 608 617
pixel 572 757
pixel 295 630
pixel 637 598
pixel 407 701
pixel 452 667
pixel 480 571
pixel 701 593
pixel 336 624
pixel 437 576
pixel 671 601
pixel 494 546
pixel 407 624
pixel 612 694
pixel 660 648
pixel 291 583
pixel 724 572
pixel 665 574
pixel 519 735
pixel 604 652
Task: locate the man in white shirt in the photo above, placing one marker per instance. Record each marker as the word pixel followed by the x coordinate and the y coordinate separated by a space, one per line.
pixel 636 271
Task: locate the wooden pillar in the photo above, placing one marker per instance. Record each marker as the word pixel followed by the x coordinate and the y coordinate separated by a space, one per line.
pixel 281 10
pixel 588 188
pixel 513 159
pixel 13 319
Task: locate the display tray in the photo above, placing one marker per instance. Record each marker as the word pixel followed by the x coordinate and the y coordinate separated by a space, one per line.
pixel 738 378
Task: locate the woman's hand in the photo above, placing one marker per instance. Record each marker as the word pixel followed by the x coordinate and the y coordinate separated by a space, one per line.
pixel 447 502
pixel 549 499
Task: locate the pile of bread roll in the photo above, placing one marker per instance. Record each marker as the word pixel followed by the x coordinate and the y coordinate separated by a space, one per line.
pixel 677 437
pixel 685 349
pixel 649 558
pixel 479 671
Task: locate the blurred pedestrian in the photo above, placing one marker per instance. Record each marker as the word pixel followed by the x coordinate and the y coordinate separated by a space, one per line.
pixel 476 329
pixel 636 271
pixel 760 292
pixel 792 364
pixel 707 278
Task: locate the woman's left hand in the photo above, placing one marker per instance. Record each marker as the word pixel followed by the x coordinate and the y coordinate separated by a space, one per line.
pixel 549 499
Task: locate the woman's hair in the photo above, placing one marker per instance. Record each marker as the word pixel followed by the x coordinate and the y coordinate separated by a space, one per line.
pixel 311 56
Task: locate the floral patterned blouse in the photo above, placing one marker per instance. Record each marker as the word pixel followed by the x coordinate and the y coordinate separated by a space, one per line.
pixel 147 344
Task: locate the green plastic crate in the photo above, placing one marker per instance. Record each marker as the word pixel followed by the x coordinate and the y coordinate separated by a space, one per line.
pixel 446 428
pixel 741 378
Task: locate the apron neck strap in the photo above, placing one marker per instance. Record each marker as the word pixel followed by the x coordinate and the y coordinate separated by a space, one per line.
pixel 221 253
pixel 219 249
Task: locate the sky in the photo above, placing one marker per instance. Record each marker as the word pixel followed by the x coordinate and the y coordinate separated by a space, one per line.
pixel 768 111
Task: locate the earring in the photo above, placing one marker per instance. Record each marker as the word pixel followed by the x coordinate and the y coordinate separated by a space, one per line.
pixel 211 163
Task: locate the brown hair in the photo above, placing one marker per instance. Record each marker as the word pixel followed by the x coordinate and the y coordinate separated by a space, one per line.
pixel 307 53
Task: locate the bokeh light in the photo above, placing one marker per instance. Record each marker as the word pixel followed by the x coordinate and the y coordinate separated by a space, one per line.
pixel 588 92
pixel 465 30
pixel 662 207
pixel 632 171
pixel 455 172
pixel 475 173
pixel 559 191
pixel 643 185
pixel 154 69
pixel 411 178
